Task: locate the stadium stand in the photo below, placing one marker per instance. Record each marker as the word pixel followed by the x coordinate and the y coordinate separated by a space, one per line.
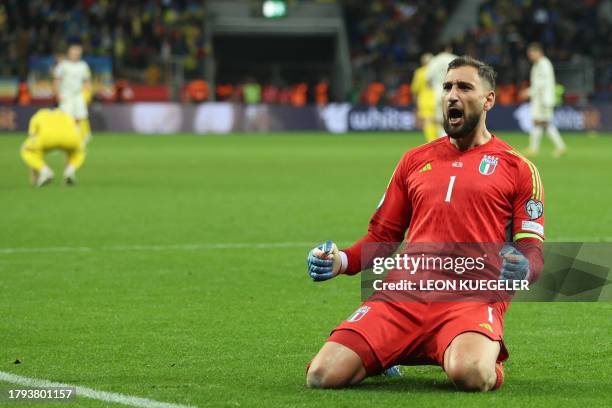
pixel 148 41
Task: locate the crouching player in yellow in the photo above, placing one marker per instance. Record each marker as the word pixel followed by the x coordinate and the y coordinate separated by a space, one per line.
pixel 53 129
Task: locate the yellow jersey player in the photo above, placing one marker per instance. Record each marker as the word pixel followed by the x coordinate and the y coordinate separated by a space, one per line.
pixel 425 100
pixel 53 129
pixel 436 72
pixel 73 85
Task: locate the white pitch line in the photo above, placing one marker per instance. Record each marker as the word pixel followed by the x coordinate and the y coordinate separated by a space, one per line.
pixel 180 247
pixel 45 249
pixel 90 393
pixel 228 245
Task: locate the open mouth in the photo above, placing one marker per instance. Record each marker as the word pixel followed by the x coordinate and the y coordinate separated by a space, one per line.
pixel 455 116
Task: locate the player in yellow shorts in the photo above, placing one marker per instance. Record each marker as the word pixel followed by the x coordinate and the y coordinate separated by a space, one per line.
pixel 425 100
pixel 53 129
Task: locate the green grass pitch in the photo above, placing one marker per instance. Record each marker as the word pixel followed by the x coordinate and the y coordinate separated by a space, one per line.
pixel 113 285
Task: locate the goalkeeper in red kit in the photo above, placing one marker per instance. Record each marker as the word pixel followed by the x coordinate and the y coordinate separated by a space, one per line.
pixel 469 186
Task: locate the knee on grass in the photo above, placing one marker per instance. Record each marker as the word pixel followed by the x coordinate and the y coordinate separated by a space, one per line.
pixel 471 375
pixel 326 376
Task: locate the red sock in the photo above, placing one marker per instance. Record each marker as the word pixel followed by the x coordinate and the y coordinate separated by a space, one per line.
pixel 499 372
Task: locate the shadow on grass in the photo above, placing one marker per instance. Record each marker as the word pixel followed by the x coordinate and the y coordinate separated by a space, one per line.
pixel 562 388
pixel 544 387
pixel 405 384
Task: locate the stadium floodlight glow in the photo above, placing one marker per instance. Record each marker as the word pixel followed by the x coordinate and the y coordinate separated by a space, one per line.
pixel 274 8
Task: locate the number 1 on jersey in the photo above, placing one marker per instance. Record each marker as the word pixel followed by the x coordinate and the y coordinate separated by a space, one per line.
pixel 449 192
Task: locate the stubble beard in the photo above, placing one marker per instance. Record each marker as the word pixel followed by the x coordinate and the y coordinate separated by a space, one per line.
pixel 469 124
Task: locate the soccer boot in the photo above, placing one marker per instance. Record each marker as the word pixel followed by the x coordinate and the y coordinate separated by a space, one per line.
pixel 393 371
pixel 44 177
pixel 70 175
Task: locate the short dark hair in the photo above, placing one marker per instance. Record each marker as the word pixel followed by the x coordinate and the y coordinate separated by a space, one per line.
pixel 535 46
pixel 485 71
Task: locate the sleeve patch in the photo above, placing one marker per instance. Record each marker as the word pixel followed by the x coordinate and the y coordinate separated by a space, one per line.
pixel 532 226
pixel 534 209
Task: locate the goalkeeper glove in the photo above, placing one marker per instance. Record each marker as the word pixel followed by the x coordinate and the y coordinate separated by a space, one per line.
pixel 323 262
pixel 515 265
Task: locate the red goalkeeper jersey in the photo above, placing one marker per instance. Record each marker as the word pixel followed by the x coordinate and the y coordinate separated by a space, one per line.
pixel 489 193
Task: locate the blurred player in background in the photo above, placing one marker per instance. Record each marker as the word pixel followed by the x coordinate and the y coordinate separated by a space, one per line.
pixel 72 81
pixel 542 95
pixel 53 129
pixel 425 99
pixel 436 72
pixel 467 187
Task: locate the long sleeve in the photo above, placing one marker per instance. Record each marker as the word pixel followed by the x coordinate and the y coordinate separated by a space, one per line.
pixel 387 226
pixel 533 249
pixel 528 217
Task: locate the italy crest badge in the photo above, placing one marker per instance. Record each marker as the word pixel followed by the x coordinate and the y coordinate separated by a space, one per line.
pixel 487 165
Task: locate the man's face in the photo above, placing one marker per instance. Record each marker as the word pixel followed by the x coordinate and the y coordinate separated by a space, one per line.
pixel 533 54
pixel 464 98
pixel 74 52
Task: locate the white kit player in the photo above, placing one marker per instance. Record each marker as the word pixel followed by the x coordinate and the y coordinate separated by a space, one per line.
pixel 542 96
pixel 72 81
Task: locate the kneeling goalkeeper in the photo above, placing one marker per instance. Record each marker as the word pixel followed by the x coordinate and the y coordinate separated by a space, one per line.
pixel 469 186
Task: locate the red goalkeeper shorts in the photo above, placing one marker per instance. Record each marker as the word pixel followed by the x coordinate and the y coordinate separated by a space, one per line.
pixel 384 334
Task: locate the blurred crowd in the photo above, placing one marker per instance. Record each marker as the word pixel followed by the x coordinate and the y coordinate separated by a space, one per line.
pixel 569 30
pixel 386 38
pixel 140 36
pixel 251 92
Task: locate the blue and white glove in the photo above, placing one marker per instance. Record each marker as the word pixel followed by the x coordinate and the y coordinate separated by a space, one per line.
pixel 515 265
pixel 323 262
